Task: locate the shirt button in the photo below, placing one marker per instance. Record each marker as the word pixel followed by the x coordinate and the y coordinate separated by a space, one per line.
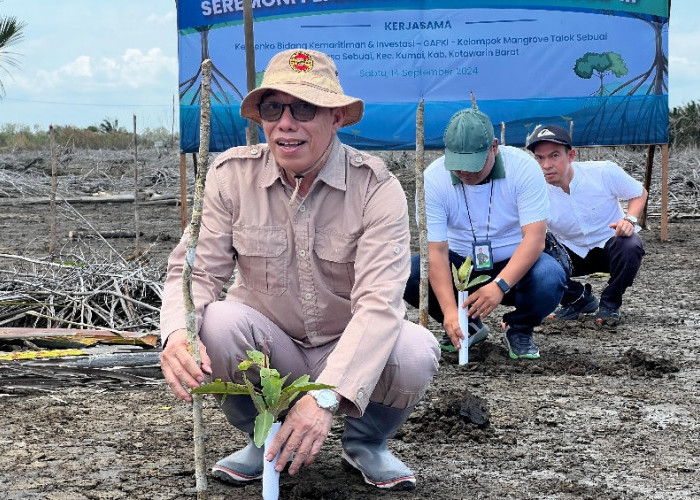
pixel 253 151
pixel 397 249
pixel 308 296
pixel 302 253
pixel 302 208
pixel 360 394
pixel 358 159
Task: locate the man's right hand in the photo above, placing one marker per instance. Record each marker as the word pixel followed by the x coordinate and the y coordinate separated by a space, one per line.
pixel 452 329
pixel 179 367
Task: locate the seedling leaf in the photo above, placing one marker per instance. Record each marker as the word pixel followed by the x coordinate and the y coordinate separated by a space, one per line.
pixel 263 424
pixel 478 280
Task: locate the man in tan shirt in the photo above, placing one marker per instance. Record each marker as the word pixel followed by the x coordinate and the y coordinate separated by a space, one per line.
pixel 317 233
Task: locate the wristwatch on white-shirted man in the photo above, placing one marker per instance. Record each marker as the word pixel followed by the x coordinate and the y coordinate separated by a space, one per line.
pixel 502 284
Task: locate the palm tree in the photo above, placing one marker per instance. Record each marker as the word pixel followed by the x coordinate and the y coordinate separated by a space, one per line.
pixel 11 32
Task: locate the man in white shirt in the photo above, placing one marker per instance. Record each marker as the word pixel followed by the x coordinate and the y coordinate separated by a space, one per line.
pixel 587 218
pixel 480 195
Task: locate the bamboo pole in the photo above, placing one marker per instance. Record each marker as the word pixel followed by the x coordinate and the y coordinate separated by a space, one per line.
pixel 52 196
pixel 137 244
pixel 422 224
pixel 191 320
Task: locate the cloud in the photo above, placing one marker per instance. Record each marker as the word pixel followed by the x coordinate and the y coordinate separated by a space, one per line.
pixel 134 69
pixel 168 19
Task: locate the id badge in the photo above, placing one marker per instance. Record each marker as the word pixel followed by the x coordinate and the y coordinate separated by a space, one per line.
pixel 483 257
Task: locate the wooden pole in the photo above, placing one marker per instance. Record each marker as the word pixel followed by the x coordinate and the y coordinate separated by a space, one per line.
pixel 251 131
pixel 183 190
pixel 137 250
pixel 422 224
pixel 191 320
pixel 571 130
pixel 664 192
pixel 52 197
pixel 172 128
pixel 647 181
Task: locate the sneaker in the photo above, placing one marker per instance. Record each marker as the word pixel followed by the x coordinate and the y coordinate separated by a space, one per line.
pixel 609 316
pixel 477 334
pixel 521 345
pixel 586 303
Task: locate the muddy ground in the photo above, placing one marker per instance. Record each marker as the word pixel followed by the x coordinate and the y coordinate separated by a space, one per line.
pixel 605 413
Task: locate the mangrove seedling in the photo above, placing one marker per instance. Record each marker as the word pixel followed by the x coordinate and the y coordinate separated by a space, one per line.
pixel 271 399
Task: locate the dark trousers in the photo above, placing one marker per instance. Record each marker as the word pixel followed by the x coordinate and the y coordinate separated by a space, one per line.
pixel 621 257
pixel 534 296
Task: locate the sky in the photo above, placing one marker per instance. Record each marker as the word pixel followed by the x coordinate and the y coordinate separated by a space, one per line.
pixel 86 61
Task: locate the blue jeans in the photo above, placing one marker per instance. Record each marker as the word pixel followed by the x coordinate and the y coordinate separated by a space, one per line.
pixel 535 296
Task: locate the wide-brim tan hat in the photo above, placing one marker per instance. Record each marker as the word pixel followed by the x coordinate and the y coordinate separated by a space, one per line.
pixel 308 75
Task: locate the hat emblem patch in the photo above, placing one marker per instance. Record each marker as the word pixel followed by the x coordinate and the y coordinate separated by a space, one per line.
pixel 545 132
pixel 301 62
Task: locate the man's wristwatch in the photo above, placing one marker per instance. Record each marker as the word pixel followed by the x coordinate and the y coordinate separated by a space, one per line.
pixel 502 284
pixel 326 399
pixel 631 219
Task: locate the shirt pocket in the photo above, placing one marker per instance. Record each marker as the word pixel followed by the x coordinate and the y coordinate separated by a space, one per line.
pixel 262 258
pixel 336 260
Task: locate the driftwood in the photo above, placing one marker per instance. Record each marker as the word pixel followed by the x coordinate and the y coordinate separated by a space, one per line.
pixel 119 296
pixel 117 233
pixel 115 198
pixel 83 336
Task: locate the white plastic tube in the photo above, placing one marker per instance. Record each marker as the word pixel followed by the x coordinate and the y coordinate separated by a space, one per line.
pixel 464 326
pixel 271 478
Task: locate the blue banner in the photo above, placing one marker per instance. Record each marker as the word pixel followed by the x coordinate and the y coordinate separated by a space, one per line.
pixel 601 64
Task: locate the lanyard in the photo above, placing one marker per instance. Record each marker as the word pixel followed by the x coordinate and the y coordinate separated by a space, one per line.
pixel 488 221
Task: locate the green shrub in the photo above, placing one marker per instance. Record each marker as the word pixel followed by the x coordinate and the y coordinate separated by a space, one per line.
pixel 684 125
pixel 23 137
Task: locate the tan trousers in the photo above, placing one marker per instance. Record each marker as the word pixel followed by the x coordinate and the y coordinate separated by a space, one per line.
pixel 230 328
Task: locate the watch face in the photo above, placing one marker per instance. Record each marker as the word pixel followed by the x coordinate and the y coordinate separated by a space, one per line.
pixel 326 399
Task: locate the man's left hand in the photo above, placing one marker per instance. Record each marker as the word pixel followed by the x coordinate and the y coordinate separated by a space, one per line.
pixel 623 228
pixel 482 302
pixel 303 433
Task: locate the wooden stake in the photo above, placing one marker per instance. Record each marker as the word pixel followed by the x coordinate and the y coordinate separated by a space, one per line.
pixel 137 245
pixel 571 131
pixel 52 197
pixel 183 190
pixel 422 224
pixel 647 181
pixel 664 192
pixel 195 225
pixel 251 131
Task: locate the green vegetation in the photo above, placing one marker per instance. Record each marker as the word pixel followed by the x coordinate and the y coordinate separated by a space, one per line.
pixel 684 125
pixel 11 32
pixel 270 400
pixel 106 135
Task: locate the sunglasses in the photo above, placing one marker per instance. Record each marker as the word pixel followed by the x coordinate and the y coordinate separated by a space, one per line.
pixel 302 111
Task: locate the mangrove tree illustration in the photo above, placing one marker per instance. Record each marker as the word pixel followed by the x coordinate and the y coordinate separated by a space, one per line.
pixel 645 110
pixel 600 65
pixel 221 89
